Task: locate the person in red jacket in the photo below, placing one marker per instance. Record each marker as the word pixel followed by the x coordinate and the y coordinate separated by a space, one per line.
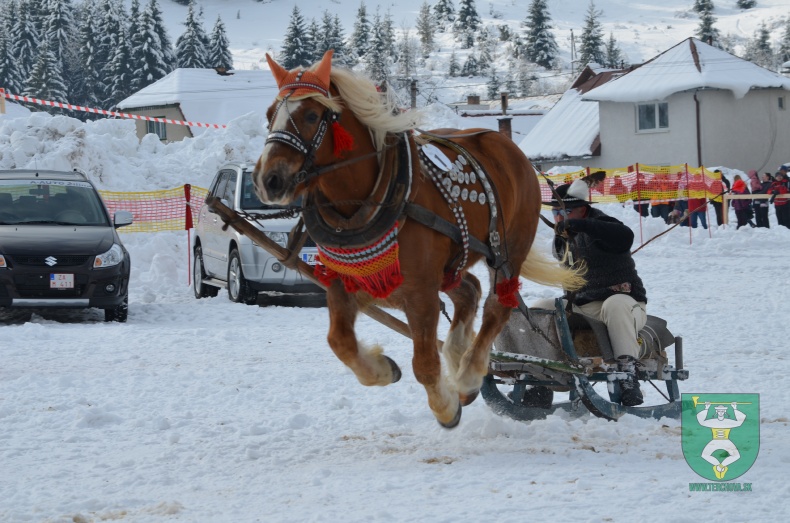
pixel 782 205
pixel 741 206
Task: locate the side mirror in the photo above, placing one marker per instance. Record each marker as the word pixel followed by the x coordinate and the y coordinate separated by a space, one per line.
pixel 122 218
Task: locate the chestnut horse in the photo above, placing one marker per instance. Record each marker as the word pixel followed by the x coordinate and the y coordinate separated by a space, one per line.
pixel 357 200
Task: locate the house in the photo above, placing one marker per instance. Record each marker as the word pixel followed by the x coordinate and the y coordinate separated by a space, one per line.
pixel 520 114
pixel 569 133
pixel 693 104
pixel 201 96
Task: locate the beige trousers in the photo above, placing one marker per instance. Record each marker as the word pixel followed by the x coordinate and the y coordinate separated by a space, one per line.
pixel 623 316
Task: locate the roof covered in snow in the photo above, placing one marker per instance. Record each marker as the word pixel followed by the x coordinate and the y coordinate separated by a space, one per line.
pixel 691 64
pixel 207 97
pixel 571 128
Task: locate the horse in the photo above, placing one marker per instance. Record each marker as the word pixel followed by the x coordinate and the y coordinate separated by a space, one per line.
pixel 400 215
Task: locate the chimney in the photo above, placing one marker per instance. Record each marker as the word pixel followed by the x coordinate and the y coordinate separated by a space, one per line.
pixel 503 97
pixel 505 127
pixel 473 99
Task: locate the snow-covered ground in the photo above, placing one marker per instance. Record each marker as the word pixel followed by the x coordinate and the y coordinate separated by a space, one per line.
pixel 209 411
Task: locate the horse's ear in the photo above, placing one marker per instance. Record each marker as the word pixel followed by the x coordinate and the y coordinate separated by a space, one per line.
pixel 279 72
pixel 325 67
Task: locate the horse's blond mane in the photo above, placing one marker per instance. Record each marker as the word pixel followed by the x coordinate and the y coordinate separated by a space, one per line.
pixel 378 111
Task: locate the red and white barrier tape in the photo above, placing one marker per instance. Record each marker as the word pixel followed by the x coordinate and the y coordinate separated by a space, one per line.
pixel 105 112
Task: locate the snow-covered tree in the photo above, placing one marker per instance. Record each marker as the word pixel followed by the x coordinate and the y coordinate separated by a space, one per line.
pixel 9 75
pixel 90 87
pixel 541 47
pixel 294 52
pixel 336 40
pixel 407 55
pixel 701 6
pixel 759 49
pixel 388 34
pixel 425 28
pixel 360 36
pixel 454 68
pixel 614 56
pixel 25 40
pixel 467 20
pixel 46 80
pixel 168 58
pixel 592 43
pixel 493 85
pixel 121 72
pixel 377 59
pixel 471 66
pixel 151 62
pixel 59 27
pixel 191 50
pixel 705 31
pixel 746 4
pixel 784 44
pixel 444 13
pixel 219 54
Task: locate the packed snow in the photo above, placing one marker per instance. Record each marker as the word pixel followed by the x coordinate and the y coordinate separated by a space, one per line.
pixel 210 411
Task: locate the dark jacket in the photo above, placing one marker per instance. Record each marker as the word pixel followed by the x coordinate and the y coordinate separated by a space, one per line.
pixel 604 245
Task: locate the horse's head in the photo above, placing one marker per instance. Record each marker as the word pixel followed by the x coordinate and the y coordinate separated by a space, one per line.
pixel 302 115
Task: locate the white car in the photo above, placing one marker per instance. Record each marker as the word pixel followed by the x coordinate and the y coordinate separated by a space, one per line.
pixel 228 259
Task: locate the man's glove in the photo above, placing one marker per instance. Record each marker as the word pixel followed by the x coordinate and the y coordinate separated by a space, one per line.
pixel 569 226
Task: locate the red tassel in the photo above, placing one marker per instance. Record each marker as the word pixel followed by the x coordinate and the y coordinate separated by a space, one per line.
pixel 451 281
pixel 506 292
pixel 341 138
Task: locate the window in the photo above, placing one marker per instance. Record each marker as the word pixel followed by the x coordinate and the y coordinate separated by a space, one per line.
pixel 157 128
pixel 782 103
pixel 652 116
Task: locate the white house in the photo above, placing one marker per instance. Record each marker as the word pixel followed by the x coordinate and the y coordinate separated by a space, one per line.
pixel 199 96
pixel 692 104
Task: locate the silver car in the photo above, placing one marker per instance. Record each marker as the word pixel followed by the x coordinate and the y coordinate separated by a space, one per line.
pixel 227 258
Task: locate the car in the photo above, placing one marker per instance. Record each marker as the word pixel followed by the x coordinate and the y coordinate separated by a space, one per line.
pixel 225 258
pixel 59 246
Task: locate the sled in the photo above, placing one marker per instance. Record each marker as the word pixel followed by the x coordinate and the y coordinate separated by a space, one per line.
pixel 573 354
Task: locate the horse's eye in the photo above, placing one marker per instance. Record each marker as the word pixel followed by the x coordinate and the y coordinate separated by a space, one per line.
pixel 311 117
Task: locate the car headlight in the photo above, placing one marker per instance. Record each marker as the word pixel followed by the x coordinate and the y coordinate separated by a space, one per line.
pixel 280 238
pixel 3 263
pixel 110 258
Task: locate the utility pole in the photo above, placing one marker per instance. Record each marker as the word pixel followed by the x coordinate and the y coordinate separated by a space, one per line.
pixel 413 91
pixel 573 52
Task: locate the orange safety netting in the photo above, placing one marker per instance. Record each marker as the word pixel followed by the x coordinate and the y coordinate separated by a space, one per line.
pixel 166 210
pixel 646 183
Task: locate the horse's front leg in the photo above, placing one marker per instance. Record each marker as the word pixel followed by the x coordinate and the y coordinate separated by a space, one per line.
pixel 370 365
pixel 423 316
pixel 460 337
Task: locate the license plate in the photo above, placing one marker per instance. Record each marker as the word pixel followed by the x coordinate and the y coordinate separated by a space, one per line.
pixel 61 281
pixel 310 258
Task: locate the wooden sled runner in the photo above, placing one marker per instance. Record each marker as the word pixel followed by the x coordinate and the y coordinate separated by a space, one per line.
pixel 573 354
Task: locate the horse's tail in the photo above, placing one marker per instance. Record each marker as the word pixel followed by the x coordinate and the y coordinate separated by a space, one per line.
pixel 542 269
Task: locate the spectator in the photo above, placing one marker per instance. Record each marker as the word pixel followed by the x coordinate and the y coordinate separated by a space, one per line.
pixel 741 207
pixel 661 190
pixel 761 204
pixel 697 202
pixel 782 205
pixel 717 189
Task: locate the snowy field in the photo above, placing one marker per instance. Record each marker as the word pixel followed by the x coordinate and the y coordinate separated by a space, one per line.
pixel 209 411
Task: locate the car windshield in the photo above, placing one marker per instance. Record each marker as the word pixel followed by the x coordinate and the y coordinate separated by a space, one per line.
pixel 50 202
pixel 250 200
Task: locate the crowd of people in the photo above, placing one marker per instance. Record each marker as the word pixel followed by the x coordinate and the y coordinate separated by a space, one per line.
pixel 684 199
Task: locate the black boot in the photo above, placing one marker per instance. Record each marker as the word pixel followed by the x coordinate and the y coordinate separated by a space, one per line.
pixel 630 393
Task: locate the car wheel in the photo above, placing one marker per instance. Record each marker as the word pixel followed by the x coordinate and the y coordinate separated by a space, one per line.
pixel 198 274
pixel 238 289
pixel 119 313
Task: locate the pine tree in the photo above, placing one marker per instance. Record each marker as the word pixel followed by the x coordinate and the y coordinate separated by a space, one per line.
pixel 135 43
pixel 59 27
pixel 165 47
pixel 294 53
pixel 541 47
pixel 336 40
pixel 45 80
pixel 471 66
pixel 407 56
pixel 759 49
pixel 9 75
pixel 151 60
pixel 121 70
pixel 190 46
pixel 25 40
pixel 614 56
pixel 314 39
pixel 467 20
pixel 219 54
pixel 592 38
pixel 746 4
pixel 784 44
pixel 701 6
pixel 493 85
pixel 113 29
pixel 444 13
pixel 388 34
pixel 705 31
pixel 90 85
pixel 454 67
pixel 361 35
pixel 425 29
pixel 377 59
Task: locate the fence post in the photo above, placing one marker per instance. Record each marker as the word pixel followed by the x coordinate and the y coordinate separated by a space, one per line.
pixel 188 227
pixel 639 204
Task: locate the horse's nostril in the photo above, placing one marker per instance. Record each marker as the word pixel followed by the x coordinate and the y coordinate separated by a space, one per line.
pixel 274 183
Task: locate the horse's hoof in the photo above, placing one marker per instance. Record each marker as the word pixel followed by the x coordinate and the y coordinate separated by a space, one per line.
pixel 396 373
pixel 453 422
pixel 468 399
